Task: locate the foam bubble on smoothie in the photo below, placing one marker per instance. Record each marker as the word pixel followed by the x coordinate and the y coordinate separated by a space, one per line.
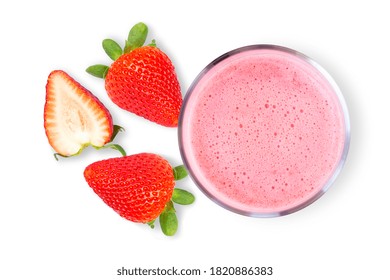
pixel 265 131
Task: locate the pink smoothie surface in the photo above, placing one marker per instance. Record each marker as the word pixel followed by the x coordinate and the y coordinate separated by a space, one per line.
pixel 263 131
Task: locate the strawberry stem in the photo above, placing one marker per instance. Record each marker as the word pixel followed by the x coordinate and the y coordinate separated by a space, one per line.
pixel 137 37
pixel 151 223
pixel 153 43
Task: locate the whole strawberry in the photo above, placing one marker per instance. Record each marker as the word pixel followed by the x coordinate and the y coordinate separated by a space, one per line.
pixel 140 188
pixel 142 79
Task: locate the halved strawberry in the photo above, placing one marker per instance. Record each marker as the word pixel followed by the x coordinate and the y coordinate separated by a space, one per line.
pixel 74 118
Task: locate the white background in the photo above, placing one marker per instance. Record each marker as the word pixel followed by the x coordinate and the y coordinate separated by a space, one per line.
pixel 54 227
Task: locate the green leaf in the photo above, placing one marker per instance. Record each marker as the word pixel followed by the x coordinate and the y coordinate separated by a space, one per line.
pixel 168 220
pixel 98 70
pixel 137 37
pixel 112 49
pixel 179 172
pixel 182 197
pixel 56 155
pixel 117 129
pixel 114 147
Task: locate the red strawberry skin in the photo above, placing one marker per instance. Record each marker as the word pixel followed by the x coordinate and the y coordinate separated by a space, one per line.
pixel 144 82
pixel 137 187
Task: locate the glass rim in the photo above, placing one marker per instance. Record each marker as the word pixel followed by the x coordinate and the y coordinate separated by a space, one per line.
pixel 340 99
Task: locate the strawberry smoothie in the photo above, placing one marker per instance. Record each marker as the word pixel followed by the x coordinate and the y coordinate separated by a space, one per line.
pixel 264 131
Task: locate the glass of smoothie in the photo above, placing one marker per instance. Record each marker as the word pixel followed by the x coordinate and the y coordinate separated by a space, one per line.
pixel 264 131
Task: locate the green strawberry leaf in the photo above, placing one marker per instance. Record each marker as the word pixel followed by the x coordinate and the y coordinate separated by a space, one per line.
pixel 112 49
pixel 137 37
pixel 114 147
pixel 117 129
pixel 182 197
pixel 168 220
pixel 56 155
pixel 98 70
pixel 179 172
pixel 110 145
